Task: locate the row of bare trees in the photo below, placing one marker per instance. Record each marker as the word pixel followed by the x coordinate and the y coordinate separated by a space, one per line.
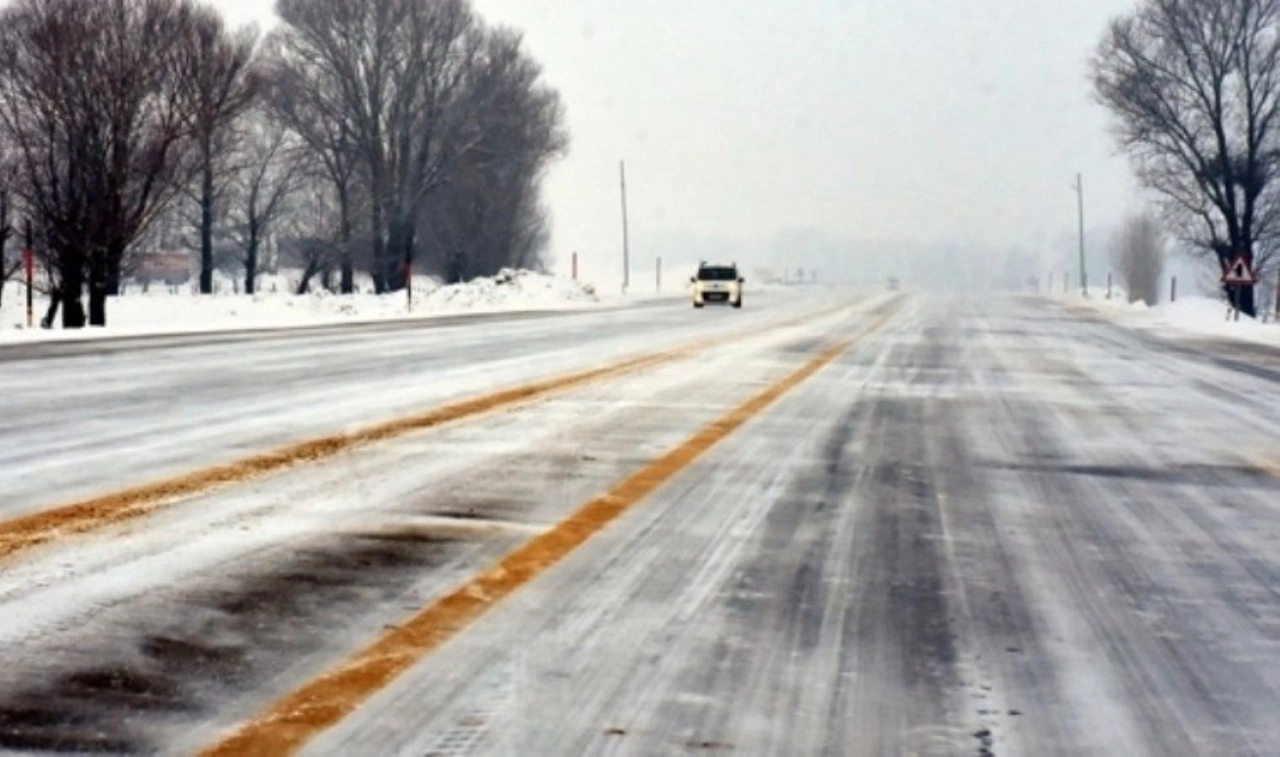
pixel 1194 86
pixel 1138 255
pixel 361 135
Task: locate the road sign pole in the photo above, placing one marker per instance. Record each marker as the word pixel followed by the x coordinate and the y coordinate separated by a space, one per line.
pixel 1235 277
pixel 1084 276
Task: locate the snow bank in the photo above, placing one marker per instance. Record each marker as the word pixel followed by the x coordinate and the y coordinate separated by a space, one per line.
pixel 510 289
pixel 1191 315
pixel 162 309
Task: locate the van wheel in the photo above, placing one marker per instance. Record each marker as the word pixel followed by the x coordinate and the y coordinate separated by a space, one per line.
pixel 698 305
pixel 738 303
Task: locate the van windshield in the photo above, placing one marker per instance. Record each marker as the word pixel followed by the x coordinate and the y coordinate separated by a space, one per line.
pixel 717 273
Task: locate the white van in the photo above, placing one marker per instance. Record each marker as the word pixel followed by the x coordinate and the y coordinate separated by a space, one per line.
pixel 717 283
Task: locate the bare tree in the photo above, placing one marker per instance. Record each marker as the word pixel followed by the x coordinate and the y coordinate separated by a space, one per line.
pixel 490 215
pixel 315 236
pixel 218 64
pixel 93 101
pixel 262 190
pixel 1195 88
pixel 299 97
pixel 1138 253
pixel 386 75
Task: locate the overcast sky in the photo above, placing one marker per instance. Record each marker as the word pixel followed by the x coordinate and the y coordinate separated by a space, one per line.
pixel 753 128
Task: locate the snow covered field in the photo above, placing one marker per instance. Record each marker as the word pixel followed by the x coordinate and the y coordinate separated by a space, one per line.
pixel 1188 316
pixel 163 309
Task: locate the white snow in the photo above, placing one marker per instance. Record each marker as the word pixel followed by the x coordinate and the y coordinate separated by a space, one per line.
pixel 1187 316
pixel 161 309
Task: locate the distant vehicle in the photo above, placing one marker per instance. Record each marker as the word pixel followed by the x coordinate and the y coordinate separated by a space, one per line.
pixel 894 284
pixel 717 283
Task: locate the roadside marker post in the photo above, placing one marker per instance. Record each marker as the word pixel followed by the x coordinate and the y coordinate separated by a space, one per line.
pixel 1066 283
pixel 1173 289
pixel 575 265
pixel 1108 285
pixel 659 274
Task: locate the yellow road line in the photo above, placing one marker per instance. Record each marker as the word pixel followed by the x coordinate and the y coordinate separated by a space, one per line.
pixel 29 531
pixel 290 722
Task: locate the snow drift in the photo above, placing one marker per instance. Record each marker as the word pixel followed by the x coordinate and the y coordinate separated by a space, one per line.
pixel 159 308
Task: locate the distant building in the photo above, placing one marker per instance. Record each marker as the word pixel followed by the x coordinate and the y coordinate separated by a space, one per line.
pixel 163 266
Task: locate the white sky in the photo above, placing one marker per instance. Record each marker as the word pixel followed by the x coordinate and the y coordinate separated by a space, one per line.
pixel 754 128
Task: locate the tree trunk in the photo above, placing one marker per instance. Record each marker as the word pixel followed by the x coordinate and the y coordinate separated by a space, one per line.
pixel 206 220
pixel 251 263
pixel 72 308
pixel 453 265
pixel 394 265
pixel 348 285
pixel 1242 298
pixel 379 251
pixel 304 285
pixel 348 280
pixel 98 303
pixel 113 271
pixel 72 289
pixel 55 299
pixel 399 254
pixel 98 264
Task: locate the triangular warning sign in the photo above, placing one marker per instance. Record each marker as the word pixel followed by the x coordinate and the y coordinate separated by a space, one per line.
pixel 1239 272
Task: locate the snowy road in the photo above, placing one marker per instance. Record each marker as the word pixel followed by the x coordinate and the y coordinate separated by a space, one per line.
pixel 984 528
pixel 111 413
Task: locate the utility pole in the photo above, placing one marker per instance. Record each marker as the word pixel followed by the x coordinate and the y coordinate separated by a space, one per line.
pixel 626 244
pixel 1084 277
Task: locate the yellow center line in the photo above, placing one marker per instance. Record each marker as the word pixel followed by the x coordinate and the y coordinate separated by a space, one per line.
pixel 286 725
pixel 28 531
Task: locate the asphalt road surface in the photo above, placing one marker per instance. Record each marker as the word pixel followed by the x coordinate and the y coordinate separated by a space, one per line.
pixel 977 528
